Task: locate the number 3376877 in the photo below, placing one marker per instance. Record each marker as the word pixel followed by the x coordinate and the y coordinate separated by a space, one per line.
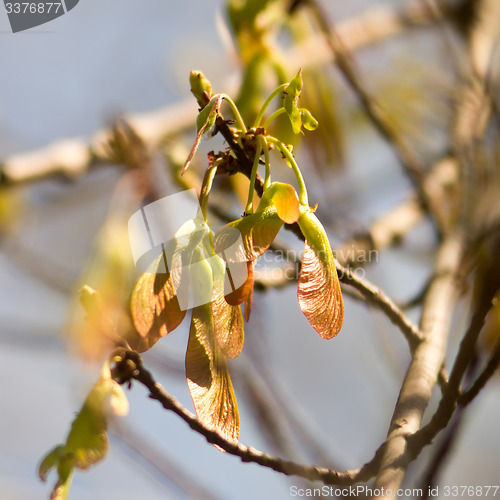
pixel 33 7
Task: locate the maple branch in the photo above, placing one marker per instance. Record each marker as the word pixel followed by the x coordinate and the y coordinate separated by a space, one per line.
pixel 488 371
pixel 345 63
pixel 130 367
pixel 377 297
pixel 425 365
pixel 146 454
pixel 451 395
pixel 71 158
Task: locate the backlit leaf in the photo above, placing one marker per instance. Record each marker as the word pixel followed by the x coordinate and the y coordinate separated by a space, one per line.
pixel 87 441
pixel 284 198
pixel 279 204
pixel 308 120
pixel 257 232
pixel 228 326
pixel 291 101
pixel 100 330
pixel 241 294
pixel 154 305
pixel 208 377
pixel 319 294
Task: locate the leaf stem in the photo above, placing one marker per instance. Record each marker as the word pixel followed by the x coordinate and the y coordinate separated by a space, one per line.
pixel 303 199
pixel 206 186
pixel 272 95
pixel 251 188
pixel 236 113
pixel 265 148
pixel 277 113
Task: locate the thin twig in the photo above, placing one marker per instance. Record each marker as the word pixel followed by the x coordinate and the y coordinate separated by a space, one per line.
pixel 441 453
pixel 377 297
pixel 73 157
pixel 146 451
pixel 489 370
pixel 345 63
pixel 440 183
pixel 425 366
pixel 131 367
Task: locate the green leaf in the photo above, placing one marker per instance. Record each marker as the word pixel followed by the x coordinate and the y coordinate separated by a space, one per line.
pixel 308 120
pixel 284 198
pixel 208 377
pixel 291 101
pixel 257 231
pixel 154 307
pixel 50 461
pixel 204 122
pixel 318 293
pixel 278 204
pixel 87 441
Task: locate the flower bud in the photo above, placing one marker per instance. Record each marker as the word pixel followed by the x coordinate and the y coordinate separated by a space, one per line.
pixel 200 87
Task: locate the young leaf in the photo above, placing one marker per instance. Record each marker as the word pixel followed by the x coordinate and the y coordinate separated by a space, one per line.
pixel 101 333
pixel 50 461
pixel 87 441
pixel 228 326
pixel 284 198
pixel 319 294
pixel 279 204
pixel 257 231
pixel 208 377
pixel 154 306
pixel 204 122
pixel 308 120
pixel 241 294
pixel 291 100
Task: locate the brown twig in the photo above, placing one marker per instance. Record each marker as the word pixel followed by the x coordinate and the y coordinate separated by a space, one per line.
pixel 346 64
pixel 425 366
pixel 377 297
pixel 71 158
pixel 491 366
pixel 146 452
pixel 131 367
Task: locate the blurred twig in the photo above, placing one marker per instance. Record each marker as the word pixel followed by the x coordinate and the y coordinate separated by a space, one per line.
pixel 492 365
pixel 389 229
pixel 346 64
pixel 377 297
pixel 425 366
pixel 158 461
pixel 132 367
pixel 71 158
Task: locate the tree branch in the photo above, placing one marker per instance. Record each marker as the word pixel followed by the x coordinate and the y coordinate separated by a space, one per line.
pixel 71 158
pixel 488 371
pixel 377 297
pixel 439 183
pixel 345 63
pixel 130 366
pixel 425 366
